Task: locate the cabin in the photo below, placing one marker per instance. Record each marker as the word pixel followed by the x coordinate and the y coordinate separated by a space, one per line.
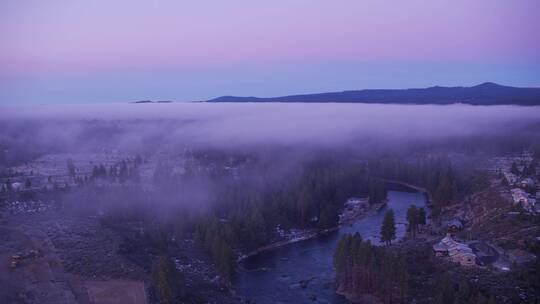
pixel 527 183
pixel 519 196
pixel 441 248
pixel 454 225
pixel 457 252
pixel 17 186
pixel 464 258
pixel 522 198
pixel 462 254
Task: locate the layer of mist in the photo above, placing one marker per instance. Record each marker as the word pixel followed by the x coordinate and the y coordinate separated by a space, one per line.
pixel 236 126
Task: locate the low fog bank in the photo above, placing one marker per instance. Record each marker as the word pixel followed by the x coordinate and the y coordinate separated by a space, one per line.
pixel 161 127
pixel 229 174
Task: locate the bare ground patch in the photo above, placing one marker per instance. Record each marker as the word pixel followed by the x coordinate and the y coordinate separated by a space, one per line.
pixel 116 292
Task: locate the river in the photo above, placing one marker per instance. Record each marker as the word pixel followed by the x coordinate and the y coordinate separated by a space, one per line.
pixel 273 276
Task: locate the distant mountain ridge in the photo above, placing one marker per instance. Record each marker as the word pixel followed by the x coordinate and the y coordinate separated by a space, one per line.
pixel 484 94
pixel 150 101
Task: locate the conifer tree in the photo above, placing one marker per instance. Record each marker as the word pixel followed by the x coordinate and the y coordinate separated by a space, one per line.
pixel 167 280
pixel 514 169
pixel 363 268
pixel 422 216
pixel 388 228
pixel 71 168
pixel 412 219
pixel 28 184
pixel 329 216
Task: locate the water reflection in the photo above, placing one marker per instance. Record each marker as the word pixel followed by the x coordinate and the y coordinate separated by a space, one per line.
pixel 302 272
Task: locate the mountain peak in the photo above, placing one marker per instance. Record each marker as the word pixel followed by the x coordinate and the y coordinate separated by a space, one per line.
pixel 488 85
pixel 487 93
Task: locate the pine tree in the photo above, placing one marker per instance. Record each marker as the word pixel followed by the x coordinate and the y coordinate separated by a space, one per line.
pixel 71 168
pixel 112 173
pixel 138 160
pixel 123 174
pixel 28 184
pixel 95 172
pixel 422 216
pixel 102 171
pixel 412 219
pixel 302 206
pixel 531 169
pixel 445 291
pixel 329 216
pixel 363 268
pixel 463 293
pixel 223 257
pixel 514 169
pixel 9 185
pixel 341 253
pixel 388 228
pixel 256 226
pixel 168 282
pixel 376 191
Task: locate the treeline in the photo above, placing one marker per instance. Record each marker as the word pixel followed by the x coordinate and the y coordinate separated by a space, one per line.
pixel 216 237
pixel 400 275
pixel 448 291
pixel 249 209
pixel 364 269
pixel 416 218
pixel 436 174
pixel 125 170
pixel 121 172
pixel 168 284
pixel 310 197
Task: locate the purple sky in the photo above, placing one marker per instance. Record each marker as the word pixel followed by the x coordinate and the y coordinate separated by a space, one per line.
pixel 101 51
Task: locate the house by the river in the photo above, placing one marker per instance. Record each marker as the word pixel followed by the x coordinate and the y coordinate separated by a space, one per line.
pixel 457 252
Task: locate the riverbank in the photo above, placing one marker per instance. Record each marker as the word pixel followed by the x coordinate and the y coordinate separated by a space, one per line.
pixel 310 234
pixel 307 235
pixel 279 275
